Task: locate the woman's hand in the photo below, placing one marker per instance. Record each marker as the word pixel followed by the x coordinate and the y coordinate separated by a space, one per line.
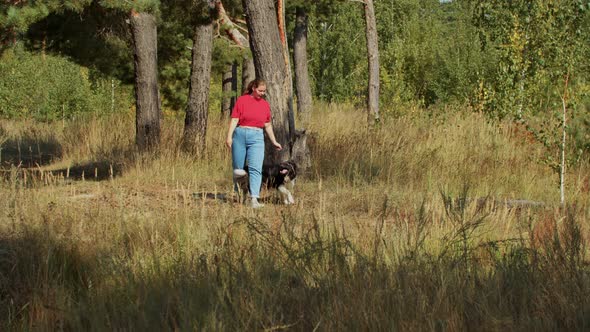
pixel 271 136
pixel 277 145
pixel 233 123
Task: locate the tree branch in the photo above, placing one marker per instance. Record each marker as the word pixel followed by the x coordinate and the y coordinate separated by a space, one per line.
pixel 230 28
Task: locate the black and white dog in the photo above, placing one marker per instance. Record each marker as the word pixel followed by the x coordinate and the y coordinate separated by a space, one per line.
pixel 281 177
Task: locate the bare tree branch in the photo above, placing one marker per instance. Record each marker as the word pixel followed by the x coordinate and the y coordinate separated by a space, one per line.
pixel 230 28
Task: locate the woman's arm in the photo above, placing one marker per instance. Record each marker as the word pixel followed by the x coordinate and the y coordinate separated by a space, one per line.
pixel 233 123
pixel 271 136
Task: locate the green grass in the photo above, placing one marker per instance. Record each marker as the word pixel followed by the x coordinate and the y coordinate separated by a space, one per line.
pixel 403 227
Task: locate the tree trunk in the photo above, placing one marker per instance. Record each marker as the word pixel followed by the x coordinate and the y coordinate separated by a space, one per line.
pixel 373 58
pixel 266 46
pixel 283 34
pixel 195 123
pixel 147 99
pixel 248 71
pixel 563 146
pixel 300 61
pixel 7 39
pixel 229 87
pixel 240 40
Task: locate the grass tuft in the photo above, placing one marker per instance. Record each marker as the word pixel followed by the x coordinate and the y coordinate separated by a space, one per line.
pixel 424 223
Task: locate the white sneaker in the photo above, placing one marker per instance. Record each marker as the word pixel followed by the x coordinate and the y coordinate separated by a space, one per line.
pixel 238 173
pixel 255 204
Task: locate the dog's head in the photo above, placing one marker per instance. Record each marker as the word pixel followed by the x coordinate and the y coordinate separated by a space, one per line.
pixel 300 152
pixel 288 169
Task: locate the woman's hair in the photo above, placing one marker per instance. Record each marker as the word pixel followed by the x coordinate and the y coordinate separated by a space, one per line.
pixel 254 84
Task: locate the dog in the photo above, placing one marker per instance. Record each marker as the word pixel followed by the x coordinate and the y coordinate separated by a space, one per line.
pixel 279 176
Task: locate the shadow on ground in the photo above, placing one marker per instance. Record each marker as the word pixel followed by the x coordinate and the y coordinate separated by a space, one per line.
pixel 29 159
pixel 231 198
pixel 96 170
pixel 32 261
pixel 36 176
pixel 29 152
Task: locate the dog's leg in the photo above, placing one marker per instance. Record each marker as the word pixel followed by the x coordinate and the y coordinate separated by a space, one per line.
pixel 286 194
pixel 291 185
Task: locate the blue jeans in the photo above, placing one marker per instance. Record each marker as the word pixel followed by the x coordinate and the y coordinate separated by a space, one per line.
pixel 248 145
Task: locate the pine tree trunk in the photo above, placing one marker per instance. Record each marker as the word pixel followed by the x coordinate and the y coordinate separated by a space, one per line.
pixel 266 46
pixel 248 71
pixel 373 59
pixel 147 99
pixel 302 85
pixel 195 123
pixel 229 87
pixel 281 14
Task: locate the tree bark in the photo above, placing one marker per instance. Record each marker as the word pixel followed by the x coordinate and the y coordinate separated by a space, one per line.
pixel 195 123
pixel 563 146
pixel 302 85
pixel 283 34
pixel 373 59
pixel 147 96
pixel 229 26
pixel 266 46
pixel 248 71
pixel 229 87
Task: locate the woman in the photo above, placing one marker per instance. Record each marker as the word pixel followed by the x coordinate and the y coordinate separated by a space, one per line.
pixel 245 136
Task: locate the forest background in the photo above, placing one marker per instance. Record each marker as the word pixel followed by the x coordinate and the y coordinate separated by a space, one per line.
pixel 444 215
pixel 500 59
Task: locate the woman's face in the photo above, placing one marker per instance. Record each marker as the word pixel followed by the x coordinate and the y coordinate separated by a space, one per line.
pixel 259 91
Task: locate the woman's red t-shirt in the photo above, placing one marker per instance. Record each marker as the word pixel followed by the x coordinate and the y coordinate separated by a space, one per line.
pixel 251 112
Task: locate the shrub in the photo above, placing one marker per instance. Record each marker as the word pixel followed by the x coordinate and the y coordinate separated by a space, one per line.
pixel 48 87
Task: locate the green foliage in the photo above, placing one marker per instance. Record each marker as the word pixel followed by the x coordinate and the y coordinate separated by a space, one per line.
pixel 429 53
pixel 537 44
pixel 174 54
pixel 338 67
pixel 21 18
pixel 48 87
pixel 19 15
pixel 542 49
pixel 175 35
pixel 579 133
pixel 96 38
pixel 147 6
pixel 507 59
pixel 322 9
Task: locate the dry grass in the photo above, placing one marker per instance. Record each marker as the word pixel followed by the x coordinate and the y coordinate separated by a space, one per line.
pixel 403 227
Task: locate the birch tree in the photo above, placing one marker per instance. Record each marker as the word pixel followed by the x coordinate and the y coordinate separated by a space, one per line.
pixel 373 62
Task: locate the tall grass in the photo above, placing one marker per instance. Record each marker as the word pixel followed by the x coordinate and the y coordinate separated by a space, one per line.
pixel 417 225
